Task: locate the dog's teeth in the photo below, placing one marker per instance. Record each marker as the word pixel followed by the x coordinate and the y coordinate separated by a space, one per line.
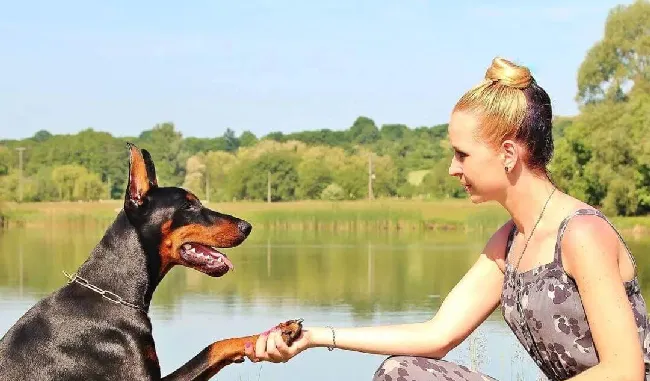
pixel 192 250
pixel 187 246
pixel 220 260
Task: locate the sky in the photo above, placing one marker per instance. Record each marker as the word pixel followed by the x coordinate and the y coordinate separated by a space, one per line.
pixel 276 65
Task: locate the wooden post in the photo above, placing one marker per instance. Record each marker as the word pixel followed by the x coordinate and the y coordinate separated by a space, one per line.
pixel 20 173
pixel 268 187
pixel 370 194
pixel 108 180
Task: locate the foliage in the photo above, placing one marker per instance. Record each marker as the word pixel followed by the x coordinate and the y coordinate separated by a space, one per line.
pixel 333 192
pixel 619 64
pixel 602 155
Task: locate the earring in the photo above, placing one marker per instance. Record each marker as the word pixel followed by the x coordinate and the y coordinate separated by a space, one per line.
pixel 507 169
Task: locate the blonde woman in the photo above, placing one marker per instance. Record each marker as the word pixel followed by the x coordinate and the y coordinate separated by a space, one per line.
pixel 560 273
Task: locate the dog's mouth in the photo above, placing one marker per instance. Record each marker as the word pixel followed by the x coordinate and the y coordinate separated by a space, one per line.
pixel 207 259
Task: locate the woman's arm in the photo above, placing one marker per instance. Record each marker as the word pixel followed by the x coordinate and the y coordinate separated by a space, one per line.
pixel 469 303
pixel 590 255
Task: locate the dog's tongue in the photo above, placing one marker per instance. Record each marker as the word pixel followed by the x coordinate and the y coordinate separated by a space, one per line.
pixel 213 252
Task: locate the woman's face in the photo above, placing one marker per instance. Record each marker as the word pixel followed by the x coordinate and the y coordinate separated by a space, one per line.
pixel 477 165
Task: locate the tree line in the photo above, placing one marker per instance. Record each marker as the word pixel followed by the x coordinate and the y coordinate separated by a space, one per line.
pixel 602 154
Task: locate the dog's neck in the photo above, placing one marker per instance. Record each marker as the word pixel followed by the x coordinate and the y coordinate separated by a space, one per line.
pixel 119 264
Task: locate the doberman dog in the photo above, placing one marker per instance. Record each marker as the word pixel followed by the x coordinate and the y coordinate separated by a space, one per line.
pixel 96 327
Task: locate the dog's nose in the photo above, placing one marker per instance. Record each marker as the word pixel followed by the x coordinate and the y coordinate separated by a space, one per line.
pixel 244 227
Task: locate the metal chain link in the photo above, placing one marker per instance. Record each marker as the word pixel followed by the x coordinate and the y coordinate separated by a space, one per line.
pixel 111 296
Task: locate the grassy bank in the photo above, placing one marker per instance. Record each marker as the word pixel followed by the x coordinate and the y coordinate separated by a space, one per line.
pixel 379 215
pixel 307 215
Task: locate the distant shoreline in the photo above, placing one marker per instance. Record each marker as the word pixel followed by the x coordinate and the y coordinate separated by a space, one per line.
pixel 378 215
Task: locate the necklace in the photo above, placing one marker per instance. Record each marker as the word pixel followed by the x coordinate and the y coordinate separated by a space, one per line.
pixel 519 286
pixel 533 230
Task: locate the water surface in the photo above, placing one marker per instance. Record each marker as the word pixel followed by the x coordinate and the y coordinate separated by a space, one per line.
pixel 340 279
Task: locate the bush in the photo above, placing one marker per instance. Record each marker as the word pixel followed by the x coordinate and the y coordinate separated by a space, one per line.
pixel 333 192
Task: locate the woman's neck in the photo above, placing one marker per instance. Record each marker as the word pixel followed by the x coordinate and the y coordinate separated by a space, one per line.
pixel 525 200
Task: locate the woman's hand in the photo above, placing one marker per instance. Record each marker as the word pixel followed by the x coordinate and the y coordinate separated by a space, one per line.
pixel 271 347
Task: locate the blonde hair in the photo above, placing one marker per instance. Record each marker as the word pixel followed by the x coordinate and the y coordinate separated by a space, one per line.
pixel 499 100
pixel 510 105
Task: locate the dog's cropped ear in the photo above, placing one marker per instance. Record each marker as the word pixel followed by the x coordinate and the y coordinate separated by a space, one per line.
pixel 139 183
pixel 151 169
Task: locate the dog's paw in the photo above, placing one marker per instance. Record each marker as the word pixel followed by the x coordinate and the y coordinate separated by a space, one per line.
pixel 291 330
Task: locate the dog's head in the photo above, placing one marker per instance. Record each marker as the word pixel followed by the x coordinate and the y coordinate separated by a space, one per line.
pixel 172 221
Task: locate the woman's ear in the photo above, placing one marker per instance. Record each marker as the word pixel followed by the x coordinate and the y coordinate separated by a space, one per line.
pixel 509 154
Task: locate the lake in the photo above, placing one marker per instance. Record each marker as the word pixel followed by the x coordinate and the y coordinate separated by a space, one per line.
pixel 343 279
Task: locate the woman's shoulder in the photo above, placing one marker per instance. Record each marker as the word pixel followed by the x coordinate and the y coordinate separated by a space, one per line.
pixel 586 237
pixel 586 224
pixel 497 244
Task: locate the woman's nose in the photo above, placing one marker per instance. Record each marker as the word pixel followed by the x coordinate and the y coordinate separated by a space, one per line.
pixel 454 168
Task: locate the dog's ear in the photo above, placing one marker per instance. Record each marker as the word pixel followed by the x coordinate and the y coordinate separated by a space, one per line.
pixel 151 169
pixel 139 183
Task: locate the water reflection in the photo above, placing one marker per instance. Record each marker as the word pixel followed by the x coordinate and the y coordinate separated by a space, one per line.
pixel 344 279
pixel 368 272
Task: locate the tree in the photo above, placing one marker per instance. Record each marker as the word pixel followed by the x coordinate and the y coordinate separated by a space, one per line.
pixel 42 136
pixel 251 178
pixel 218 170
pixel 192 146
pixel 195 175
pixel 247 139
pixel 278 136
pixel 364 131
pixel 393 131
pixel 5 160
pixel 231 141
pixel 333 192
pixel 621 60
pixel 74 182
pixel 315 170
pixel 164 143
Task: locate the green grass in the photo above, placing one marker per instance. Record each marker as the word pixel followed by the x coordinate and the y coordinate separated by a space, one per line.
pixel 306 215
pixel 378 215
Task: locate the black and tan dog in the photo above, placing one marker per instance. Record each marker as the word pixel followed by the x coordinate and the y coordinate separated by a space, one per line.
pixel 96 327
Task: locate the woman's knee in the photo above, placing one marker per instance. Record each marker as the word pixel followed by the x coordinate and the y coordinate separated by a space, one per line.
pixel 402 368
pixel 391 368
pixel 407 368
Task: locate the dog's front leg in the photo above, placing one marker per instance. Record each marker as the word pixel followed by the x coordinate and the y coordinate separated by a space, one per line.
pixel 212 359
pixel 225 352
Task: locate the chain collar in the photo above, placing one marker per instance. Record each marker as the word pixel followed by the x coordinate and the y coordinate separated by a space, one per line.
pixel 74 278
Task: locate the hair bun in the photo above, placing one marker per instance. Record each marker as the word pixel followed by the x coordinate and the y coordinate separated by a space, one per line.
pixel 508 74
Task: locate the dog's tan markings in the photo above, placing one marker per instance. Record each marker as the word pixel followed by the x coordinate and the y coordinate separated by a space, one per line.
pixel 138 180
pixel 191 197
pixel 168 255
pixel 150 354
pixel 224 234
pixel 231 350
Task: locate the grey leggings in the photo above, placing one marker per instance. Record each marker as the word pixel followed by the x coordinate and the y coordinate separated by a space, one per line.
pixel 405 368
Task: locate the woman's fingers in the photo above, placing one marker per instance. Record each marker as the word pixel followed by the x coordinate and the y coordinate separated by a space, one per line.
pixel 249 351
pixel 271 346
pixel 283 349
